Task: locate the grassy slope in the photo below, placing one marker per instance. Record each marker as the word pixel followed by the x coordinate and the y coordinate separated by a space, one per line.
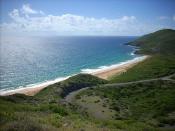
pixel 33 116
pixel 159 42
pixel 45 111
pixel 154 67
pixel 161 46
pixel 19 112
pixel 150 103
pixel 56 91
pixel 79 81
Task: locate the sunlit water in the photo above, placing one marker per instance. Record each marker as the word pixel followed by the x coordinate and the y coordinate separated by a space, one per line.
pixel 33 60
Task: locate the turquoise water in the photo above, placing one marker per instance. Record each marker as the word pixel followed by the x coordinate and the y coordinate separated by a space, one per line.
pixel 26 61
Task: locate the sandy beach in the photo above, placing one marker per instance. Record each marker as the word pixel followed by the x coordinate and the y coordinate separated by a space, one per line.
pixel 104 73
pixel 119 68
pixel 30 91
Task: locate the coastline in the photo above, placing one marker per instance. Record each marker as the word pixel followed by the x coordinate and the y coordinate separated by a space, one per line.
pixel 117 69
pixel 33 89
pixel 103 72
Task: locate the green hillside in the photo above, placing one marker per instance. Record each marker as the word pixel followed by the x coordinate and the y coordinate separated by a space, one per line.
pixel 144 106
pixel 56 91
pixel 154 67
pixel 160 45
pixel 46 110
pixel 150 105
pixel 159 42
pixel 79 81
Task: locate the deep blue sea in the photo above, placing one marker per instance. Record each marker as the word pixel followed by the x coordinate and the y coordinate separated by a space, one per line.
pixel 25 61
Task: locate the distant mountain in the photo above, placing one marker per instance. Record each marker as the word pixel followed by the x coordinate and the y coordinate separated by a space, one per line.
pixel 159 42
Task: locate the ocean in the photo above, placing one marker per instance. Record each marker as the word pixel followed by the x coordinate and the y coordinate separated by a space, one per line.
pixel 28 61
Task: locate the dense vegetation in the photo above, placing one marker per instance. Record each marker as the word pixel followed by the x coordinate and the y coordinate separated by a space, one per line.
pixel 144 106
pixel 160 46
pixel 154 67
pixel 159 42
pixel 22 113
pixel 46 110
pixel 152 103
pixel 79 81
pixel 56 91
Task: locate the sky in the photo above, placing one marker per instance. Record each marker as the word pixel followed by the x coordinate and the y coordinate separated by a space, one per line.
pixel 85 17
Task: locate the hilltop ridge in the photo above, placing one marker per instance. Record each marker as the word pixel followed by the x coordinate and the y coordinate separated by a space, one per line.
pixel 159 42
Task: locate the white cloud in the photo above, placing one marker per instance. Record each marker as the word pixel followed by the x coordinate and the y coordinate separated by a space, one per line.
pixel 26 9
pixel 174 17
pixel 69 24
pixel 167 18
pixel 41 12
pixel 126 18
pixel 163 17
pixel 15 15
pixel 72 24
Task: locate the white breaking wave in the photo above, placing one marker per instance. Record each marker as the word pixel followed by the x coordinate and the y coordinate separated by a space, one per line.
pixel 132 53
pixel 105 68
pixel 41 84
pixel 50 82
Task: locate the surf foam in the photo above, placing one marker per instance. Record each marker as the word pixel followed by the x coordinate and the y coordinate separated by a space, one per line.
pixel 31 86
pixel 88 71
pixel 109 67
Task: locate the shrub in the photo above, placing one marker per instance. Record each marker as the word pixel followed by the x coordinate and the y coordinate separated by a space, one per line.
pixel 58 109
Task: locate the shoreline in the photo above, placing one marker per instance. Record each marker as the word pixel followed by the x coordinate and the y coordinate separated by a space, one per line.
pixel 32 90
pixel 119 68
pixel 103 72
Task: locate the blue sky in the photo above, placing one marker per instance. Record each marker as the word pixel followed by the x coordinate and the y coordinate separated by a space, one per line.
pixel 86 17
